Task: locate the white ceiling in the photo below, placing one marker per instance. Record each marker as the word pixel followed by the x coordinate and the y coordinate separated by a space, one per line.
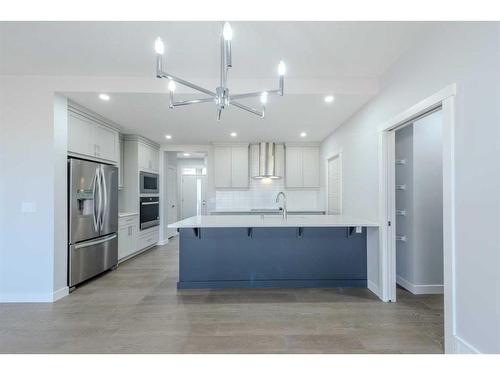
pixel 286 117
pixel 311 49
pixel 343 58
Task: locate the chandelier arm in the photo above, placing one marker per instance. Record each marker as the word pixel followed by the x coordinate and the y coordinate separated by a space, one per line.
pixel 254 94
pixel 248 109
pixel 193 101
pixel 183 82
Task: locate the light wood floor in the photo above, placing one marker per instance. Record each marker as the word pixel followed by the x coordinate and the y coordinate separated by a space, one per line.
pixel 137 309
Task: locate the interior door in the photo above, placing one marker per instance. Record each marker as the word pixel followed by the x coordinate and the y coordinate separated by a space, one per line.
pixel 83 200
pixel 171 185
pixel 189 196
pixel 334 186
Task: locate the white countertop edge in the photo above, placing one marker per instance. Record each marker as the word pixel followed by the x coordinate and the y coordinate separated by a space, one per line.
pixel 256 221
pixel 125 214
pixel 259 212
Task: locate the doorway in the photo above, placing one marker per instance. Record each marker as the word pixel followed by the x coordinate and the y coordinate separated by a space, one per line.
pixel 171 199
pixel 193 180
pixel 334 184
pixel 445 100
pixel 419 204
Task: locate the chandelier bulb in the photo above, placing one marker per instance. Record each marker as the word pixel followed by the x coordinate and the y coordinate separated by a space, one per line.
pixel 263 98
pixel 227 31
pixel 159 46
pixel 281 68
pixel 171 85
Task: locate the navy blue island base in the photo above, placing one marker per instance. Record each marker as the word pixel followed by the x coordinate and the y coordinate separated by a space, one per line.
pixel 272 257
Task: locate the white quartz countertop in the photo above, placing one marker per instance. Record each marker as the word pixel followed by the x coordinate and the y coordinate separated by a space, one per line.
pixel 257 211
pixel 125 214
pixel 252 221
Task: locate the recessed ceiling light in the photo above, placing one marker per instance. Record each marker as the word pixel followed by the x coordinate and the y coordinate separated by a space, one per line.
pixel 104 97
pixel 329 99
pixel 303 134
pixel 187 154
pixel 168 136
pixel 233 134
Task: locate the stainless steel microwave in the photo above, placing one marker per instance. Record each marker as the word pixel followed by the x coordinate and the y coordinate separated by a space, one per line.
pixel 149 183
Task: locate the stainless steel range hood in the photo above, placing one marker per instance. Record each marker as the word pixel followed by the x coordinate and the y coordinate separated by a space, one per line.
pixel 267 160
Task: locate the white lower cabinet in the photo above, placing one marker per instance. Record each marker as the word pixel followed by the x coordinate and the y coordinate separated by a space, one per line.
pixel 149 237
pixel 131 240
pixel 128 228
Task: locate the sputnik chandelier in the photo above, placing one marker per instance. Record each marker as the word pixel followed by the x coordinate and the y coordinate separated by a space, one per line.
pixel 221 97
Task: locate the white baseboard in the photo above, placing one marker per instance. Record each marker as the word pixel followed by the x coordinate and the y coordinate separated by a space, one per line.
pixel 162 242
pixel 420 289
pixel 374 288
pixel 463 347
pixel 34 298
pixel 60 293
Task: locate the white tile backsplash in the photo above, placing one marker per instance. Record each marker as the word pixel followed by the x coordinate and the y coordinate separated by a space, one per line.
pixel 260 195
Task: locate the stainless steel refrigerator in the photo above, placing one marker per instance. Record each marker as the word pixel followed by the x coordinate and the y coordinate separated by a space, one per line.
pixel 93 219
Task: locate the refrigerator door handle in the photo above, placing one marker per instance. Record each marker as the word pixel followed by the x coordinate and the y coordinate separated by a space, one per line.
pixel 99 209
pixel 95 215
pixel 96 242
pixel 105 197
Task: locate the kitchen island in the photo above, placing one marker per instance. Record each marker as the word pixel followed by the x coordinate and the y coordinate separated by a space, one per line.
pixel 252 251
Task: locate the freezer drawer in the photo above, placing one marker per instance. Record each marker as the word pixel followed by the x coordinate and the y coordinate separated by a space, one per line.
pixel 90 258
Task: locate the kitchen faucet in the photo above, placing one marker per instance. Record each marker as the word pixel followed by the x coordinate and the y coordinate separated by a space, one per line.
pixel 285 213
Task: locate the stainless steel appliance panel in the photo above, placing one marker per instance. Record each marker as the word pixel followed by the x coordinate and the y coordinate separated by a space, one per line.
pixel 109 206
pixel 83 200
pixel 149 183
pixel 90 258
pixel 149 212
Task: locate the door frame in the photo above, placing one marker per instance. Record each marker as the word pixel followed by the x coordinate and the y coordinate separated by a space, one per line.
pixel 327 160
pixel 387 239
pixel 171 170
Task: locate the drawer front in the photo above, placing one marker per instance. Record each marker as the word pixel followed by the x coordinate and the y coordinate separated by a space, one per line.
pixel 128 220
pixel 148 238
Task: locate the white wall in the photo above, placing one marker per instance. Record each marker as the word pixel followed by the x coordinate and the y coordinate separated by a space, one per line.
pixel 28 170
pixel 428 200
pixel 466 54
pixel 60 194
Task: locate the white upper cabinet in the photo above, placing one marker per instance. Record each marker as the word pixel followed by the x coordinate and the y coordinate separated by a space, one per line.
pixel 254 160
pixel 239 167
pixel 107 143
pixel 310 167
pixel 148 158
pixel 223 166
pixel 89 138
pixel 231 166
pixel 80 135
pixel 294 173
pixel 302 167
pixel 279 160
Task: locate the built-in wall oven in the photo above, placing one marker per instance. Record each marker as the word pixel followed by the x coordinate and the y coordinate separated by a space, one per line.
pixel 149 183
pixel 149 212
